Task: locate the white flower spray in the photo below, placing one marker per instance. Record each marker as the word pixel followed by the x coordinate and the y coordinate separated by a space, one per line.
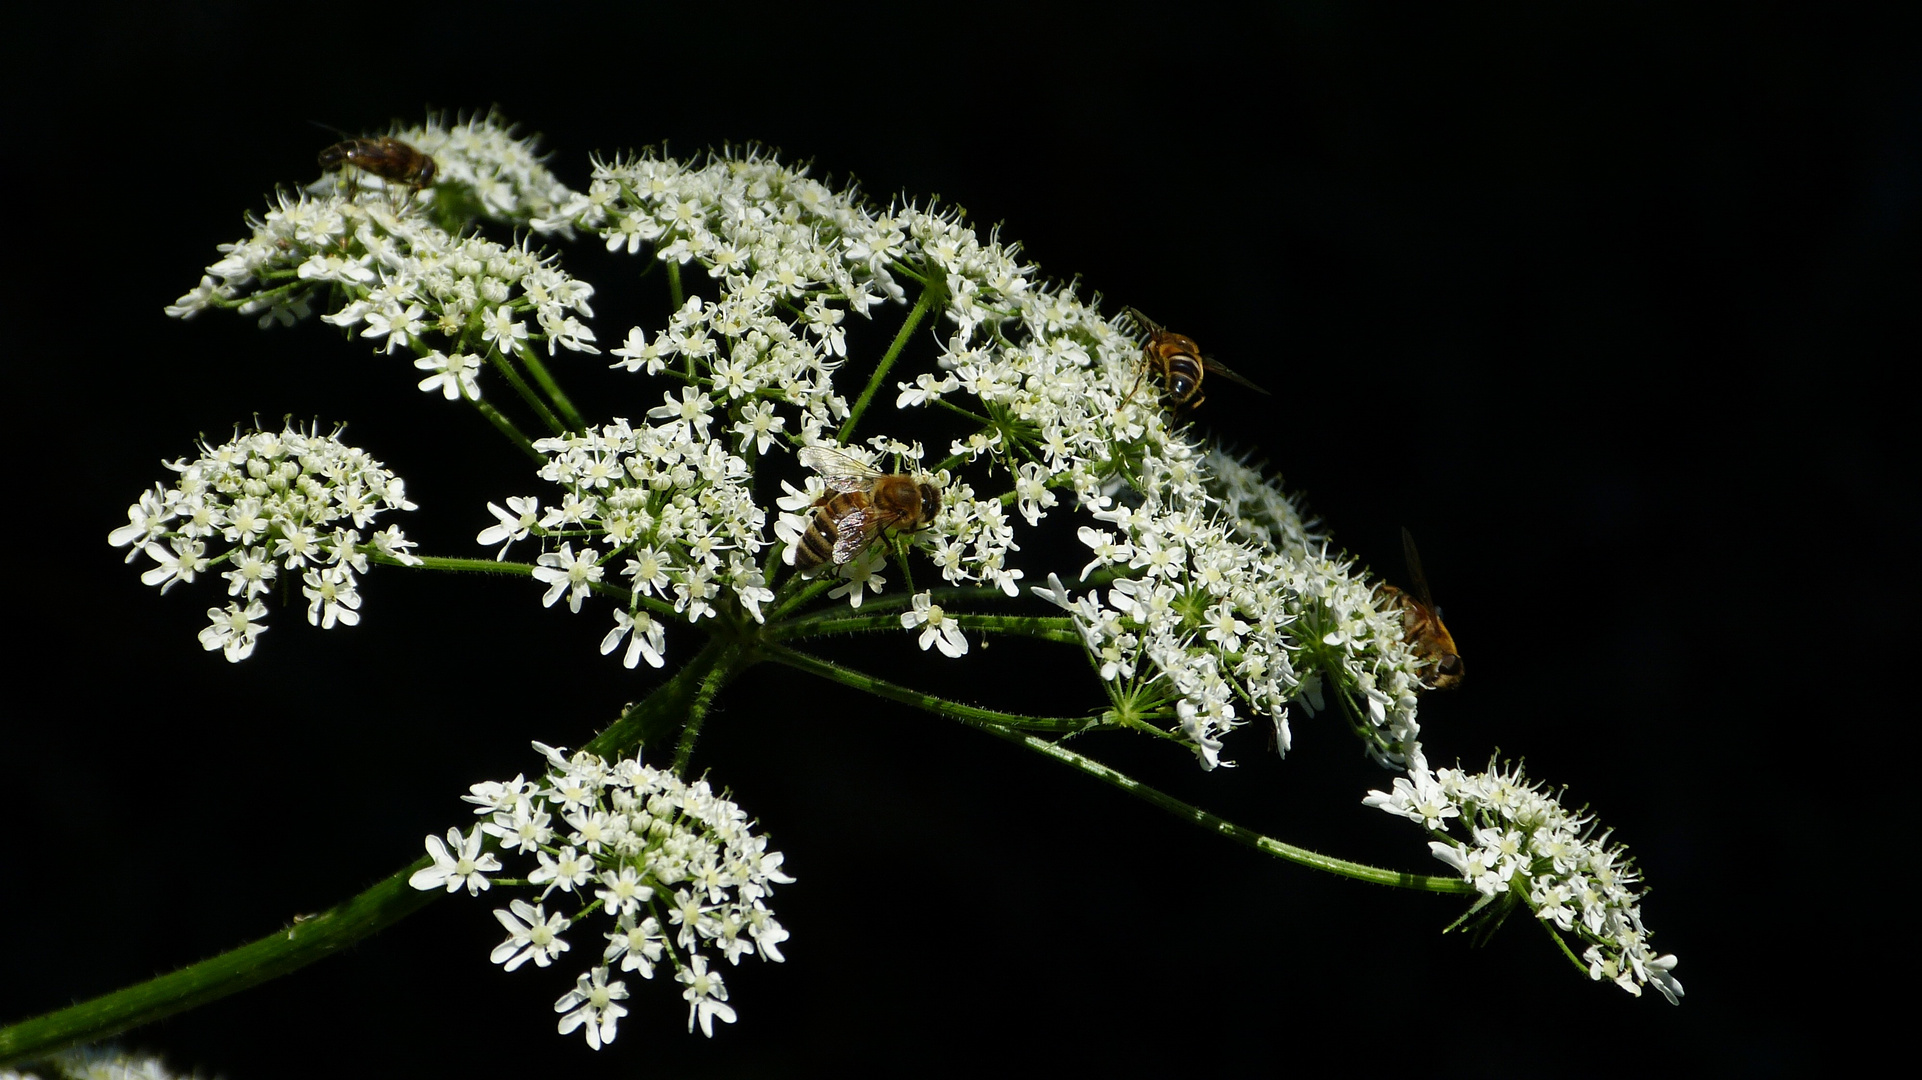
pixel 261 504
pixel 1205 600
pixel 655 870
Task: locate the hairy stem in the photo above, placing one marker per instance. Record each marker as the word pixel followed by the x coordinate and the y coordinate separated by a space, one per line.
pixel 1039 628
pixel 270 957
pixel 991 722
pixel 512 374
pixel 506 427
pixel 1240 834
pixel 930 295
pixel 731 663
pixel 649 721
pixel 974 716
pixel 545 379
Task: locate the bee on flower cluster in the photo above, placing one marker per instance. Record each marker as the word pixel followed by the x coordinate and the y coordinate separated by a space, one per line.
pixel 1422 626
pixel 863 502
pixel 383 156
pixel 1177 361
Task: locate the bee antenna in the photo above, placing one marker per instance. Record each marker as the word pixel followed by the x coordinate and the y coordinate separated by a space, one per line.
pixel 330 127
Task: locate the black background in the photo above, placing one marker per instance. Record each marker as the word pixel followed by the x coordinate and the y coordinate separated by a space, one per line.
pixel 1605 302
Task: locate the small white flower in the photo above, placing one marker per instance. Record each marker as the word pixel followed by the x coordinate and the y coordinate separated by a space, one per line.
pixel 649 642
pixel 454 376
pixel 706 995
pixel 234 630
pixel 937 629
pixel 593 1003
pixel 532 934
pixel 458 862
pixel 566 574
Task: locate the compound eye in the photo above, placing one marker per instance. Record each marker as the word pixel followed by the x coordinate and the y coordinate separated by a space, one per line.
pixel 1181 386
pixel 1450 664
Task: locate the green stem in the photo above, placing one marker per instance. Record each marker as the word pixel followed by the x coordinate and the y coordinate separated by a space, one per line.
pixel 802 595
pixel 285 951
pixel 730 664
pixel 442 562
pixel 514 379
pixel 994 724
pixel 649 722
pixel 1299 855
pixel 1562 944
pixel 674 292
pixel 277 954
pixel 1040 628
pixel 930 295
pixel 506 427
pixel 552 389
pixel 892 601
pixel 973 716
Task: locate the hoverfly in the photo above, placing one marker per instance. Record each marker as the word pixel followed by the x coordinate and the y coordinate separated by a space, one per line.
pixel 863 502
pixel 1178 360
pixel 383 156
pixel 1422 624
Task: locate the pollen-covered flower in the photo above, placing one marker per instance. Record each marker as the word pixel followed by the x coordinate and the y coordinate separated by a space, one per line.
pixel 261 503
pixel 669 871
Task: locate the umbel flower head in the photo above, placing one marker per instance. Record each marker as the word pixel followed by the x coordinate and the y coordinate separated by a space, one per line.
pixel 669 873
pixel 1202 568
pixel 1204 587
pixel 1523 849
pixel 401 275
pixel 1205 600
pixel 264 503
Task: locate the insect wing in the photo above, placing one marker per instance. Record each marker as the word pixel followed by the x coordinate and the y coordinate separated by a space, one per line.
pixel 853 532
pixel 838 470
pixel 1415 576
pixel 1230 374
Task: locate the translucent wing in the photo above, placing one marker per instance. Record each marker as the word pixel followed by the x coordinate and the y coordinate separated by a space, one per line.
pixel 1228 373
pixel 840 471
pixel 853 532
pixel 1415 576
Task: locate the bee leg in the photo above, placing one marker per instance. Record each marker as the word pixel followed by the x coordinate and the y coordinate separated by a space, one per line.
pixel 899 544
pixel 1141 372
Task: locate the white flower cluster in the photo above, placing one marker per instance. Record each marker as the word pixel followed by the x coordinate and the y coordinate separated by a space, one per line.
pixel 1357 638
pixel 482 158
pixel 97 1063
pixel 790 258
pixel 675 871
pixel 453 302
pixel 1206 564
pixel 1211 586
pixel 677 505
pixel 1256 509
pixel 1524 847
pixel 295 500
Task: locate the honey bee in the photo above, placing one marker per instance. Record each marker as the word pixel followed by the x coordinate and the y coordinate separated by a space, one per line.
pixel 385 157
pixel 1422 625
pixel 1179 362
pixel 864 502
